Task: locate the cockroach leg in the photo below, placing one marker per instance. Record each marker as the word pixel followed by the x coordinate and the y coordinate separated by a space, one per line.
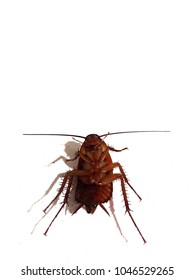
pixel 45 233
pixel 77 140
pixel 113 165
pixel 102 206
pixel 126 180
pixel 112 177
pixel 128 210
pixel 115 150
pixel 58 194
pixel 65 200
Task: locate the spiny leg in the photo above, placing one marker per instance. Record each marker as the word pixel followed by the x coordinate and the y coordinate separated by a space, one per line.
pixel 45 233
pixel 126 180
pixel 128 210
pixel 64 201
pixel 112 177
pixel 113 165
pixel 58 194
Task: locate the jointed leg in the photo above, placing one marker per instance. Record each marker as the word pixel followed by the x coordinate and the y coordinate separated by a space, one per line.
pixel 114 150
pixel 113 165
pixel 57 196
pixel 112 177
pixel 126 180
pixel 128 210
pixel 102 206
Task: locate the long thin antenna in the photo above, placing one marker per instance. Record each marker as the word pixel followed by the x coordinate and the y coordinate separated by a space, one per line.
pixel 48 134
pixel 134 131
pixel 109 133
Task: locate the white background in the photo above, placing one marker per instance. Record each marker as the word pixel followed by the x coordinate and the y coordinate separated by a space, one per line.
pixel 82 67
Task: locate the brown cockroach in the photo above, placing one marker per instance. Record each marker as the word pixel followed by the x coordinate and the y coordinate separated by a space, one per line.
pixel 94 175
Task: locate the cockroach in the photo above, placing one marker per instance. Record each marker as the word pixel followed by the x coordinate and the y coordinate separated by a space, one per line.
pixel 95 176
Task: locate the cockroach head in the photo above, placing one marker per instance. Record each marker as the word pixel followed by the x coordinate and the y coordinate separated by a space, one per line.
pixel 92 136
pixel 92 142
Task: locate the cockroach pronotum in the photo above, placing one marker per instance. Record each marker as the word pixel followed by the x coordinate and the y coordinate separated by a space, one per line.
pixel 94 175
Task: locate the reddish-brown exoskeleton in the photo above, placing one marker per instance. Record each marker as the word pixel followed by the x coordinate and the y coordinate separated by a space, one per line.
pixel 95 176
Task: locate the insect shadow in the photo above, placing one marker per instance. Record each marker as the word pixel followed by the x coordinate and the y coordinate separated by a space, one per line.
pixel 69 148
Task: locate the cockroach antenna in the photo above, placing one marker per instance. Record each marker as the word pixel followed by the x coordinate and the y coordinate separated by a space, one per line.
pixel 135 131
pixel 50 134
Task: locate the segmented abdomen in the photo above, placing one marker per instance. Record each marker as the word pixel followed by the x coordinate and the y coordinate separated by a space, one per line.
pixel 93 194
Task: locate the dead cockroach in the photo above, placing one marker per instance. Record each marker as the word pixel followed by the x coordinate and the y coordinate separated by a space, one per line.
pixel 94 175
